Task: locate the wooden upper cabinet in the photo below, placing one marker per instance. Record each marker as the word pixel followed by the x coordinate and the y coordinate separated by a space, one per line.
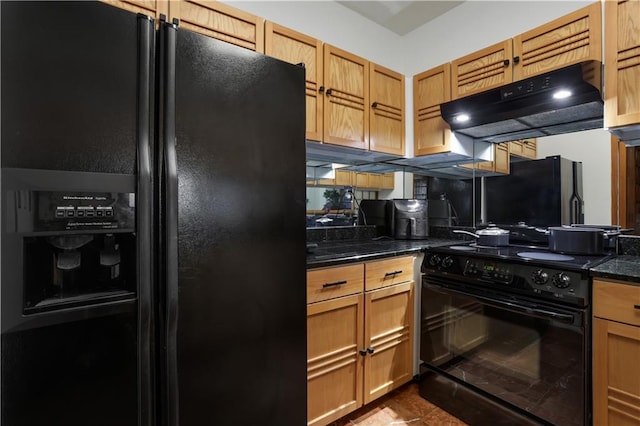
pixel 220 21
pixel 482 70
pixel 570 39
pixel 622 57
pixel 501 163
pixel 294 47
pixel 386 118
pixel 153 8
pixel 346 100
pixel 430 89
pixel 527 148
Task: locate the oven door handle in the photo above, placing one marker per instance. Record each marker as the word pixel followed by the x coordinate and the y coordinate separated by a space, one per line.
pixel 509 305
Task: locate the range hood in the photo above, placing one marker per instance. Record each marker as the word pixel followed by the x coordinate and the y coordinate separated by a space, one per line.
pixel 533 107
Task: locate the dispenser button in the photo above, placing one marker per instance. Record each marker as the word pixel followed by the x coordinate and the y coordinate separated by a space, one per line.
pixel 71 213
pixel 108 212
pixel 99 213
pixel 59 212
pixel 80 213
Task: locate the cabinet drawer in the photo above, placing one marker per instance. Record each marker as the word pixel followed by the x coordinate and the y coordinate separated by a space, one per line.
pixel 617 302
pixel 387 272
pixel 327 283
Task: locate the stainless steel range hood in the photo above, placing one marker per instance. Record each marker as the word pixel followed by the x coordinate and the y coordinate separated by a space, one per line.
pixel 529 108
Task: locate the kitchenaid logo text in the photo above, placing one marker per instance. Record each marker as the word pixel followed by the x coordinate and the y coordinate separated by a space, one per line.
pixel 83 197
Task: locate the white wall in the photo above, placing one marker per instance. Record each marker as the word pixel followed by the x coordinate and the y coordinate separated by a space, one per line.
pixel 593 149
pixel 471 26
pixel 334 24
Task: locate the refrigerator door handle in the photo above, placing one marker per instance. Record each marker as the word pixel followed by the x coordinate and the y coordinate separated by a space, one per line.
pixel 146 34
pixel 170 187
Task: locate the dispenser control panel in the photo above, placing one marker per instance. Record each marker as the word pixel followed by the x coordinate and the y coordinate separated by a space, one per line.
pixel 66 211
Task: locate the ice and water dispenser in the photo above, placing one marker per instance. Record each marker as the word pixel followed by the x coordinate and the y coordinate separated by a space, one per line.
pixel 69 248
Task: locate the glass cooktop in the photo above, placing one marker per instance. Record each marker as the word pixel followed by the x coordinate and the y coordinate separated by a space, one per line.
pixel 523 253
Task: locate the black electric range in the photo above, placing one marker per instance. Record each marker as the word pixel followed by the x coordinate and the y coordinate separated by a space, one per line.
pixel 528 271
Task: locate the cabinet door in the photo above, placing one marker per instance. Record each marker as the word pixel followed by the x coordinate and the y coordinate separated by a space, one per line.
pixel 220 21
pixel 622 56
pixel 388 339
pixel 297 48
pixel 375 180
pixel 568 40
pixel 501 158
pixel 151 8
pixel 362 180
pixel 386 116
pixel 388 181
pixel 482 70
pixel 334 363
pixel 616 373
pixel 346 100
pixel 500 164
pixel 344 178
pixel 526 148
pixel 431 132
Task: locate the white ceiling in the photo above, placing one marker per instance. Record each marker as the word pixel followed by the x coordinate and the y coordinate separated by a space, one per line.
pixel 401 17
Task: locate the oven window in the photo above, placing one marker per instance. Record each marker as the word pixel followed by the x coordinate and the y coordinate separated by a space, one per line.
pixel 534 363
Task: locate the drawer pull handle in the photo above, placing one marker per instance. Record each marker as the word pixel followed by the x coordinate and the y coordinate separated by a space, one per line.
pixel 636 306
pixel 325 285
pixel 391 274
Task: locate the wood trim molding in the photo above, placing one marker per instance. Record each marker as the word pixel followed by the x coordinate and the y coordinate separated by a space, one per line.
pixel 624 182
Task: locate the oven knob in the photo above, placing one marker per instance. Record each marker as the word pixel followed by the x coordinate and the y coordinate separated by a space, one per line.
pixel 434 260
pixel 561 280
pixel 447 262
pixel 540 277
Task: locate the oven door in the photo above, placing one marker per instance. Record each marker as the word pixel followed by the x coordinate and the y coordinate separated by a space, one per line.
pixel 531 357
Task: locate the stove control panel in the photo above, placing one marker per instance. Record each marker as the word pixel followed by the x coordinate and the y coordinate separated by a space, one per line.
pixel 488 270
pixel 536 280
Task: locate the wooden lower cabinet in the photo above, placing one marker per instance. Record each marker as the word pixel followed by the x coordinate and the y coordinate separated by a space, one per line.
pixel 616 354
pixel 335 329
pixel 360 346
pixel 388 340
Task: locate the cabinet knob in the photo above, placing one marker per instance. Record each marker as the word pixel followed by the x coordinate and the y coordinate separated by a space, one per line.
pixel 374 105
pixel 329 91
pixel 506 62
pixel 516 59
pixel 636 306
pixel 363 352
pixel 370 350
pixel 321 89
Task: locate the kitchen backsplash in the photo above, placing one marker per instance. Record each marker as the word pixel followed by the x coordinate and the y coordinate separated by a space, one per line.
pixel 336 233
pixel 629 245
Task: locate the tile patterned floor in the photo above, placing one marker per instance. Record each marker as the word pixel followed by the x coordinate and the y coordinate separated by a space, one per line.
pixel 404 406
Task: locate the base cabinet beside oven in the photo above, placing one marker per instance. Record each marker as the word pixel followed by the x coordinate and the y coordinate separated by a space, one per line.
pixel 359 335
pixel 616 353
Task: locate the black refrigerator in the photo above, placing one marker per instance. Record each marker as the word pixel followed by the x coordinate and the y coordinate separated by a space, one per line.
pixel 543 192
pixel 153 231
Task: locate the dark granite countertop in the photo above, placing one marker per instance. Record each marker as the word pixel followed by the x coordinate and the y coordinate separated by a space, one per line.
pixel 622 267
pixel 332 253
